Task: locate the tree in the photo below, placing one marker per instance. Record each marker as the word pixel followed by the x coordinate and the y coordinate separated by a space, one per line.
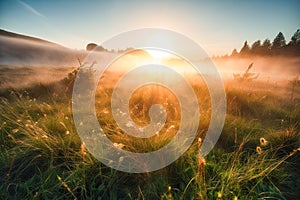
pixel 245 49
pixel 295 40
pixel 266 47
pixel 93 46
pixel 266 44
pixel 293 48
pixel 234 53
pixel 279 41
pixel 256 47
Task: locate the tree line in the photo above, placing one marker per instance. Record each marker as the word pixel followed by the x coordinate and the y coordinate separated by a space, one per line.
pixel 278 47
pixel 95 47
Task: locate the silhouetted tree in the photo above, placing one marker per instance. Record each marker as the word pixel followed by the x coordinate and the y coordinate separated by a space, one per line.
pixel 295 40
pixel 256 47
pixel 279 41
pixel 266 47
pixel 277 48
pixel 91 46
pixel 234 53
pixel 266 44
pixel 245 49
pixel 293 48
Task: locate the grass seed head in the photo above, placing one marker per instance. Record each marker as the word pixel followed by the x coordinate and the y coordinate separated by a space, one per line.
pixel 259 150
pixel 15 130
pixel 263 142
pixel 83 150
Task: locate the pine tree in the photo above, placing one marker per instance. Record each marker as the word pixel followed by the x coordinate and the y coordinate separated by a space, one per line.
pixel 256 47
pixel 266 44
pixel 245 49
pixel 295 40
pixel 234 53
pixel 279 41
pixel 266 47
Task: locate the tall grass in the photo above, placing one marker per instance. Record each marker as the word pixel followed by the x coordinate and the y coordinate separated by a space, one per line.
pixel 42 156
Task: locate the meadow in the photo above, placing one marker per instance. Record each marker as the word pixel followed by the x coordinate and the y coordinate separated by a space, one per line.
pixel 257 155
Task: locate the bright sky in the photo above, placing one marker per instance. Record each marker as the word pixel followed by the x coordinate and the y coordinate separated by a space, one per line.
pixel 218 26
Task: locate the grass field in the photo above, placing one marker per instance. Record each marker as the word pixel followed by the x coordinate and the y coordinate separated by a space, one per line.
pixel 256 157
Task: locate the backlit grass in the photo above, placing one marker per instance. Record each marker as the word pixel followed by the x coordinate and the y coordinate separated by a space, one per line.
pixel 42 157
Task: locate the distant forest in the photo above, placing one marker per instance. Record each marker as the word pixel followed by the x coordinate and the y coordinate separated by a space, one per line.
pixel 278 47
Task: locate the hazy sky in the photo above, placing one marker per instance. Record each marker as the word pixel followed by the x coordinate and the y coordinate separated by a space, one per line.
pixel 218 26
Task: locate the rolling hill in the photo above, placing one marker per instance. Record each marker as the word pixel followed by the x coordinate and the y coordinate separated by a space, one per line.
pixel 22 50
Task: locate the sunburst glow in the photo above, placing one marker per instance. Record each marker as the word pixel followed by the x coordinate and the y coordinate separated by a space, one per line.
pixel 159 55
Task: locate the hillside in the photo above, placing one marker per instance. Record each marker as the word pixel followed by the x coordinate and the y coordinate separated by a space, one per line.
pixel 17 49
pixel 28 38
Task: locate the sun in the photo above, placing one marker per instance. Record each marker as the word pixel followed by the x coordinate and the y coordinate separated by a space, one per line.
pixel 159 55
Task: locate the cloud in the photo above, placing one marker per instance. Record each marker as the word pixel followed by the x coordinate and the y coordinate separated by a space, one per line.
pixel 31 9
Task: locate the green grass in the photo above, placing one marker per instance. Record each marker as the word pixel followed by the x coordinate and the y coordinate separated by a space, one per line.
pixel 42 157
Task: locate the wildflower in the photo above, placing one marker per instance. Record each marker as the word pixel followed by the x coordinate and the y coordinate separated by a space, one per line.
pixel 36 194
pixel 66 117
pixel 15 130
pixel 121 159
pixel 258 150
pixel 199 141
pixel 45 115
pixel 45 136
pixel 110 162
pixel 172 126
pixel 219 195
pixel 81 123
pixel 263 142
pixel 18 120
pixel 28 125
pixel 170 197
pixel 201 161
pixel 67 132
pixel 199 145
pixel 83 150
pixel 119 145
pixel 235 198
pixel 129 124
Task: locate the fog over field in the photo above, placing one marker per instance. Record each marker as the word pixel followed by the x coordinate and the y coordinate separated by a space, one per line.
pixel 19 50
pixel 281 68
